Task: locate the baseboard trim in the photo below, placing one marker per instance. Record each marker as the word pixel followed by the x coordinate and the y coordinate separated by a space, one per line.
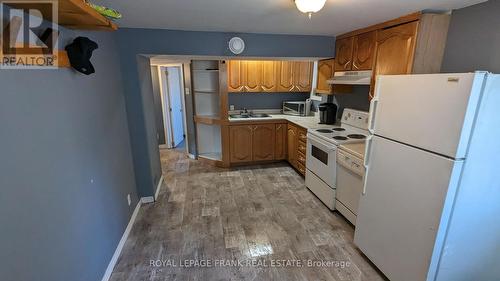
pixel 158 187
pixel 191 156
pixel 119 248
pixel 148 199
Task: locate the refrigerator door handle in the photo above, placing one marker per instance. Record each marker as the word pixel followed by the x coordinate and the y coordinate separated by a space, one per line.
pixel 366 161
pixel 373 112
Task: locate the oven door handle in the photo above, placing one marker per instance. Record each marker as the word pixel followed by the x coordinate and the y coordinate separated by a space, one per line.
pixel 328 147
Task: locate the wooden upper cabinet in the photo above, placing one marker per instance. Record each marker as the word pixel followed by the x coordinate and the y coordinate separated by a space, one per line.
pixel 295 76
pixel 325 72
pixel 263 142
pixel 269 76
pixel 285 77
pixel 364 51
pixel 252 71
pixel 355 52
pixel 280 142
pixel 413 43
pixel 343 54
pixel 235 81
pixel 395 49
pixel 240 139
pixel 302 76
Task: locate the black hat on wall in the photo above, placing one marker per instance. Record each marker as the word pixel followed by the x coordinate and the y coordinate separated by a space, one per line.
pixel 79 54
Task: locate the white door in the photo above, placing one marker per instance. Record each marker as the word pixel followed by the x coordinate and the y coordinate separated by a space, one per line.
pixel 430 111
pixel 175 96
pixel 400 210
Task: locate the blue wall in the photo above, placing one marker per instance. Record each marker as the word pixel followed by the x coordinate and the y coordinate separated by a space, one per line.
pixel 474 39
pixel 140 103
pixel 174 42
pixel 65 170
pixel 264 100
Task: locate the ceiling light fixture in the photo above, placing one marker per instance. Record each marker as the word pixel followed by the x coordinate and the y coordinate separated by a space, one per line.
pixel 310 6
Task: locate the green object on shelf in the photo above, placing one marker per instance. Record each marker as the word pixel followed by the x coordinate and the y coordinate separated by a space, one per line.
pixel 107 12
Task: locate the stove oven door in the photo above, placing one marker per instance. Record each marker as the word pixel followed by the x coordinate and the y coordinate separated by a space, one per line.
pixel 321 159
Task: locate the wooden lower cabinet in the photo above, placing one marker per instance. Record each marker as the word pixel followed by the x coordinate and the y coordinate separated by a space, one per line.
pixel 280 148
pixel 263 142
pixel 292 142
pixel 257 142
pixel 240 143
pixel 297 140
pixel 267 142
pixel 301 168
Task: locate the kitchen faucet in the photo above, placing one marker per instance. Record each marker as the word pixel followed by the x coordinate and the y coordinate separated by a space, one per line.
pixel 245 112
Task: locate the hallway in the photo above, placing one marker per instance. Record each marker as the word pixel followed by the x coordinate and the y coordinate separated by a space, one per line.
pixel 262 214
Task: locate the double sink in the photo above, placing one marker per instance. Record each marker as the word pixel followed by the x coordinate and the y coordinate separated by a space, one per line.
pixel 249 115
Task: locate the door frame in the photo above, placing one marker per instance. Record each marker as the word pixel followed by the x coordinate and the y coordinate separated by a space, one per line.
pixel 165 101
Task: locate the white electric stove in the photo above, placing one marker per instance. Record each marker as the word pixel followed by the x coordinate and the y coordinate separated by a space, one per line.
pixel 322 147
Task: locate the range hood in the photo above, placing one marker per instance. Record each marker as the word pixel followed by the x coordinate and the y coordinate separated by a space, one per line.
pixel 351 78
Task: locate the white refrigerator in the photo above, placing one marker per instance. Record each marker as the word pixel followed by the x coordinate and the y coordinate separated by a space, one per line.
pixel 430 208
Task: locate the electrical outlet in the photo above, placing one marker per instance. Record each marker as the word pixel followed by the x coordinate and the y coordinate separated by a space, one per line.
pixel 231 107
pixel 129 200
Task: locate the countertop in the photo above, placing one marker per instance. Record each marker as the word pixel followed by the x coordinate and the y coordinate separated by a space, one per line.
pixel 356 149
pixel 307 122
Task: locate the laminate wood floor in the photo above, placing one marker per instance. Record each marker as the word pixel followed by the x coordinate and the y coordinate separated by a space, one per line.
pixel 247 223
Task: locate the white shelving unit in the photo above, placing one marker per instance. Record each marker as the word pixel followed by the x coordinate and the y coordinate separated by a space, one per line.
pixel 205 75
pixel 209 141
pixel 206 87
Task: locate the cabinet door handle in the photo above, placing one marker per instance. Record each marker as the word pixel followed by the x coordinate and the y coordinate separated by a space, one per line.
pixel 354 65
pixel 279 127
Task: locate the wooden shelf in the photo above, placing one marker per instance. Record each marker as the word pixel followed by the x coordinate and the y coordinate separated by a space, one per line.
pixel 206 91
pixel 208 119
pixel 216 156
pixel 76 14
pixel 206 70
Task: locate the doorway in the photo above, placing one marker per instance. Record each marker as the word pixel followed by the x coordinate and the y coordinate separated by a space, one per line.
pixel 173 108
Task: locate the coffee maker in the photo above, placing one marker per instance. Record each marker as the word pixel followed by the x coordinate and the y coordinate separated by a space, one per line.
pixel 327 113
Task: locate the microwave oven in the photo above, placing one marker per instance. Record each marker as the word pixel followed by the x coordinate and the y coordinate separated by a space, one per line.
pixel 297 108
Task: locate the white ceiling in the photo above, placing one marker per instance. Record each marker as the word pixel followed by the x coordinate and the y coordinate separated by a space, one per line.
pixel 268 16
